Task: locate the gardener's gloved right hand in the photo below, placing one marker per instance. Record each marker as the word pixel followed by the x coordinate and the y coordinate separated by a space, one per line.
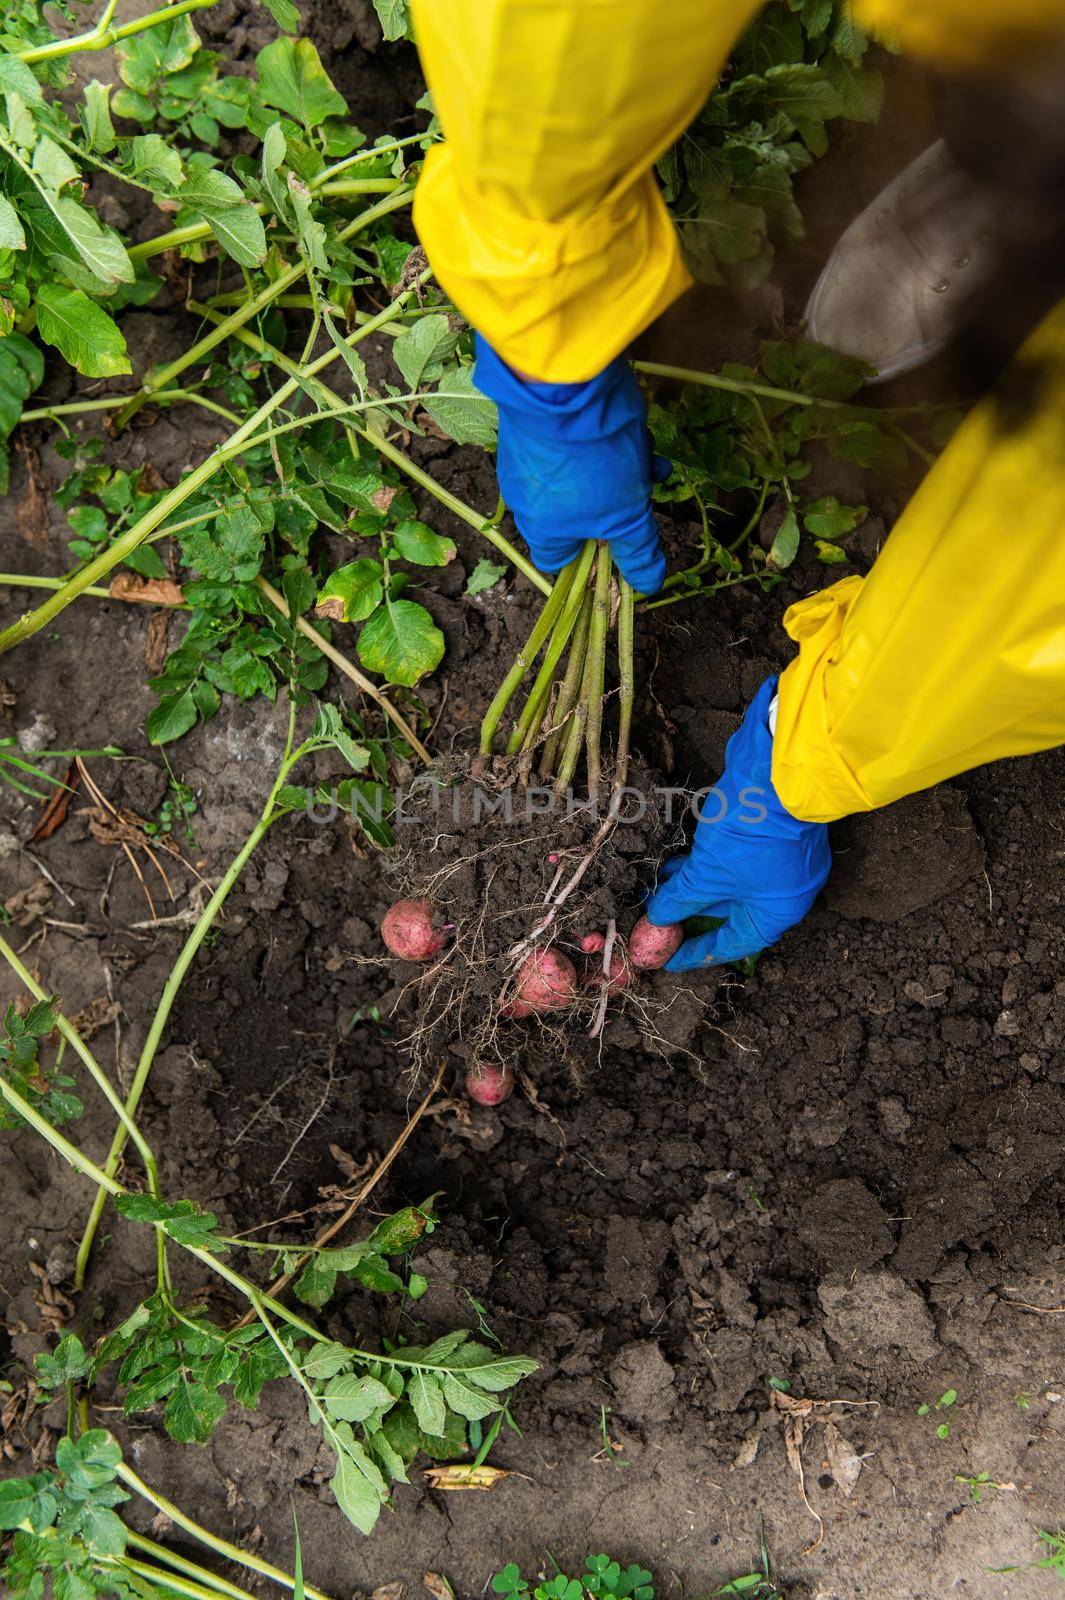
pixel 576 463
pixel 751 862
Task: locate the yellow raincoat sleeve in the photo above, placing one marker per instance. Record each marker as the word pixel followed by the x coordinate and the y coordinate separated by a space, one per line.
pixel 967 34
pixel 952 652
pixel 540 213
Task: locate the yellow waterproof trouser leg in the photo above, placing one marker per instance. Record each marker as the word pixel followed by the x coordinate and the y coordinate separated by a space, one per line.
pixel 952 652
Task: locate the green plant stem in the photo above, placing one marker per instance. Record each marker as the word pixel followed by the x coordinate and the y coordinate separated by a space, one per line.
pixel 573 739
pixel 96 1072
pixel 485 526
pixel 169 994
pixel 127 542
pixel 541 631
pixel 346 186
pixel 570 689
pixel 342 663
pixel 221 1547
pixel 258 303
pixel 714 380
pixel 626 678
pixel 527 728
pixel 99 37
pixel 22 580
pixel 113 402
pixel 369 154
pixel 693 594
pixel 595 671
pixel 175 1582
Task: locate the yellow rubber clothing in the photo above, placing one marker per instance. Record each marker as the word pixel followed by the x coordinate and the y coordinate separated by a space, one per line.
pixel 952 652
pixel 540 214
pixel 974 34
pixel 542 219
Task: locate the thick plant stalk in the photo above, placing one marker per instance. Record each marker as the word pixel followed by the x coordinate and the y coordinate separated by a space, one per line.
pixel 258 303
pixel 99 1076
pixel 714 380
pixel 528 724
pixel 485 526
pixel 160 1555
pixel 541 632
pixel 570 689
pixel 102 35
pixel 626 680
pixel 221 1547
pixel 188 1588
pixel 169 995
pixel 595 672
pixel 33 621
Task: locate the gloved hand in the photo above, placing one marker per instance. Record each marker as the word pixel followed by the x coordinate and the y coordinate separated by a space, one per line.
pixel 751 862
pixel 575 463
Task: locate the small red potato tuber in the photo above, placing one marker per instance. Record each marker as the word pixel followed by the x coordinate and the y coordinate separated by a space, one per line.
pixel 651 947
pixel 489 1085
pixel 412 929
pixel 547 981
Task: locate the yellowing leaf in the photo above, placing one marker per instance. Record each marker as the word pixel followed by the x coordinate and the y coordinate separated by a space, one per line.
pixel 461 1475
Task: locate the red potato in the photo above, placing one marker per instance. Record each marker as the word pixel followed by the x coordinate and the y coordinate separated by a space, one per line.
pixel 413 930
pixel 547 980
pixel 651 947
pixel 621 973
pixel 489 1085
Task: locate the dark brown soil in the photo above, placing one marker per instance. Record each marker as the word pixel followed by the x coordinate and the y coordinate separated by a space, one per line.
pixel 842 1172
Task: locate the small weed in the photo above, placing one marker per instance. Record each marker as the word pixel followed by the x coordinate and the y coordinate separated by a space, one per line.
pixel 758 1585
pixel 982 1480
pixel 176 811
pixel 945 1401
pixel 602 1579
pixel 609 1449
pixel 1023 1399
pixel 1054 1561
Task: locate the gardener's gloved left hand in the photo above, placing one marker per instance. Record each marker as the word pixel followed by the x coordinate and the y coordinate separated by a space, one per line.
pixel 751 862
pixel 576 463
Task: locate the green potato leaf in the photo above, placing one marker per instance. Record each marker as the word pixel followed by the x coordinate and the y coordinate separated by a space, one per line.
pixel 418 543
pixel 462 411
pixel 401 642
pixel 294 80
pixel 81 331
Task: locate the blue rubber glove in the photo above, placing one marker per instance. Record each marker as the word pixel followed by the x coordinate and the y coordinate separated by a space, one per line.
pixel 575 463
pixel 751 861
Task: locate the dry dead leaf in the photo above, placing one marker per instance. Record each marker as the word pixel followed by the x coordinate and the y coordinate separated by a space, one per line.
pixel 747 1451
pixel 438 1586
pixel 383 497
pixel 390 1591
pixel 55 811
pixel 156 641
pixel 96 1015
pixel 29 903
pixel 461 1475
pixel 146 591
pixel 353 1170
pixel 843 1462
pixel 56 1308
